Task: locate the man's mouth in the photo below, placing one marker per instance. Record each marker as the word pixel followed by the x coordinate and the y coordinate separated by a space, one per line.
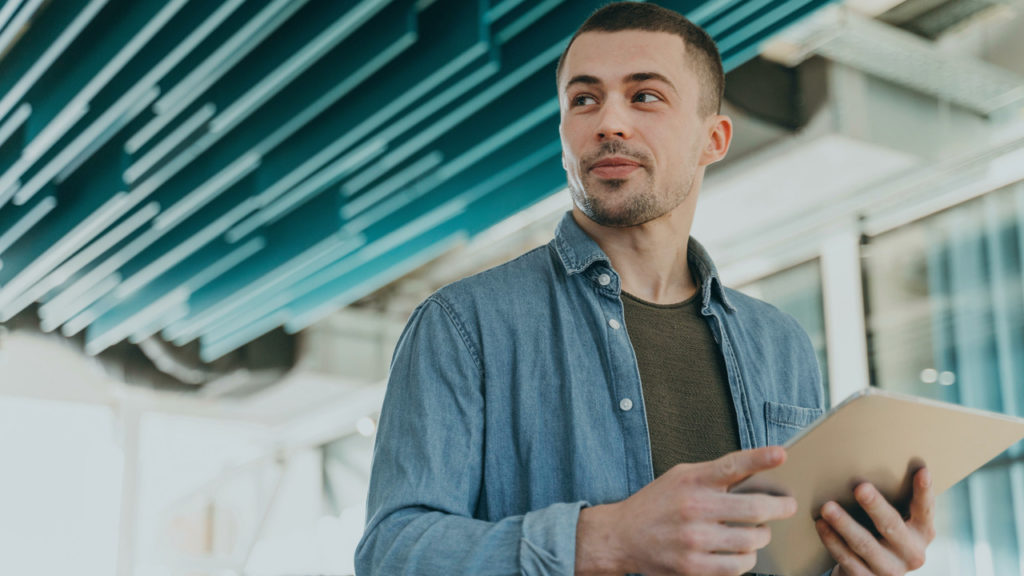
pixel 614 167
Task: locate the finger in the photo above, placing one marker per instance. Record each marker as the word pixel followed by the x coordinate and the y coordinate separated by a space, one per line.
pixel 887 520
pixel 750 508
pixel 720 564
pixel 922 506
pixel 860 540
pixel 735 466
pixel 721 538
pixel 841 553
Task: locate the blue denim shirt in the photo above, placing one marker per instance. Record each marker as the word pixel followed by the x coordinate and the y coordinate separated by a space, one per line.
pixel 514 400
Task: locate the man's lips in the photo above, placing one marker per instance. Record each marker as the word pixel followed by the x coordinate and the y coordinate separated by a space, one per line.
pixel 614 168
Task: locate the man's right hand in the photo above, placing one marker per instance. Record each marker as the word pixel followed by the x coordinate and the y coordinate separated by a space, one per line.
pixel 685 522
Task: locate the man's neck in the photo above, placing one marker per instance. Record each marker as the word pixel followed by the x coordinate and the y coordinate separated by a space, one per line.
pixel 650 258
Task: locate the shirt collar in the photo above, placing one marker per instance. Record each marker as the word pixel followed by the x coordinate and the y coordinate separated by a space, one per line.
pixel 578 252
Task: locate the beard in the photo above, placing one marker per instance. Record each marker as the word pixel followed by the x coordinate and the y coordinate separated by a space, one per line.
pixel 609 202
pixel 635 210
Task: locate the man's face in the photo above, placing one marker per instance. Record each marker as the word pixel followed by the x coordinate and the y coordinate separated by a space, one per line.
pixel 633 141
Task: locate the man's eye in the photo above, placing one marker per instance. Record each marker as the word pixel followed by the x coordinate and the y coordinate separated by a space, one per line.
pixel 646 98
pixel 582 100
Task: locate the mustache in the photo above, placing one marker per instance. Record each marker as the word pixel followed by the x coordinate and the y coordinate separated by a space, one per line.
pixel 615 148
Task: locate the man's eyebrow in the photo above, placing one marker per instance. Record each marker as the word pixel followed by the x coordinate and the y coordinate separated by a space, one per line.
pixel 584 79
pixel 644 76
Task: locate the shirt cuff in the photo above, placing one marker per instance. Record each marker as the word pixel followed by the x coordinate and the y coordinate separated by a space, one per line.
pixel 548 544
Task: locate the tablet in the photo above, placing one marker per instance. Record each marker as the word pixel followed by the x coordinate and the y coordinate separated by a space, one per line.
pixel 873 436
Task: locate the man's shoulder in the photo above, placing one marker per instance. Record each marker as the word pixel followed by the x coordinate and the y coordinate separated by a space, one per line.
pixel 516 277
pixel 757 311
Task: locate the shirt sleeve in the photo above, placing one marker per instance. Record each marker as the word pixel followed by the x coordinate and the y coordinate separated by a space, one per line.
pixel 427 473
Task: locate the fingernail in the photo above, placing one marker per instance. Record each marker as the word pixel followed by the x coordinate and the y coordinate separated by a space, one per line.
pixel 926 478
pixel 830 510
pixel 865 493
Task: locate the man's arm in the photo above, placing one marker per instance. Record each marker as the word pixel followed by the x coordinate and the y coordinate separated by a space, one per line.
pixel 428 470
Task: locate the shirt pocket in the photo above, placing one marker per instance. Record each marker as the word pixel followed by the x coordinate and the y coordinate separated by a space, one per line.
pixel 783 421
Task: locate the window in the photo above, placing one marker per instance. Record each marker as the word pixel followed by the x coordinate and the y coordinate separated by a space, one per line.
pixel 797 291
pixel 945 306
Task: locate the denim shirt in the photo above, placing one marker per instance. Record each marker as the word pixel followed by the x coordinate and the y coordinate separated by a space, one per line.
pixel 514 400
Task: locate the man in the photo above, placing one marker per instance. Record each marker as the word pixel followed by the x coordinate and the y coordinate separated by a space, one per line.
pixel 516 436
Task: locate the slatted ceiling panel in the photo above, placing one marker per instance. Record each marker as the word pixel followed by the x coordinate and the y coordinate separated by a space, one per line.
pixel 736 45
pixel 216 170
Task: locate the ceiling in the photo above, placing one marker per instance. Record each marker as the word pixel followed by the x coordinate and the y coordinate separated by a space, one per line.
pixel 207 172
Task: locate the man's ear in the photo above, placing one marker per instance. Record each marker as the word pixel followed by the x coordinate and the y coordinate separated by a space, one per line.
pixel 719 138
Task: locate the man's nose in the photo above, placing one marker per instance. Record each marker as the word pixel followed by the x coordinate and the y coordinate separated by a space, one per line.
pixel 614 122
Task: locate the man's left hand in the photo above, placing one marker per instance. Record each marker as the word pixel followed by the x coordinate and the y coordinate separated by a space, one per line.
pixel 901 547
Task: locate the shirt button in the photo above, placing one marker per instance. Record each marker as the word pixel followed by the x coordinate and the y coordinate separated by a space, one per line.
pixel 614 324
pixel 604 279
pixel 626 404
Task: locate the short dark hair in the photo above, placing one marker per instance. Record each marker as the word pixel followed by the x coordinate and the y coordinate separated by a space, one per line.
pixel 707 63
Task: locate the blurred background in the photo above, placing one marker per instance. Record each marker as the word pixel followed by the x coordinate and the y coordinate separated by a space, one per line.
pixel 215 218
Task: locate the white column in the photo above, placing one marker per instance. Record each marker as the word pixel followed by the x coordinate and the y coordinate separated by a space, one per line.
pixel 129 416
pixel 843 300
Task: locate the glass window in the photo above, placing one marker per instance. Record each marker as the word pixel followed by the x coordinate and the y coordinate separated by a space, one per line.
pixel 945 304
pixel 60 489
pixel 797 291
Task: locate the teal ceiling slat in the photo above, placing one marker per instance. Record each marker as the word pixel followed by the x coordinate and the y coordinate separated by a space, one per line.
pixel 12 133
pixel 383 206
pixel 7 12
pixel 366 51
pixel 75 121
pixel 276 275
pixel 535 11
pixel 419 251
pixel 76 75
pixel 227 44
pixel 24 58
pixel 25 222
pixel 778 15
pixel 737 16
pixel 518 156
pixel 498 8
pixel 197 180
pixel 487 115
pixel 79 200
pixel 317 146
pixel 463 189
pixel 704 12
pixel 52 313
pixel 212 171
pixel 309 54
pixel 308 233
pixel 733 56
pixel 459 113
pixel 311 307
pixel 202 249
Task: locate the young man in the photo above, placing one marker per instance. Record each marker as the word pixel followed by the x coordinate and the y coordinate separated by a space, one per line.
pixel 584 408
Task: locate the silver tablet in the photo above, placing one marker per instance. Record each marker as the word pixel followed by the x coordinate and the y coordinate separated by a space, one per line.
pixel 873 436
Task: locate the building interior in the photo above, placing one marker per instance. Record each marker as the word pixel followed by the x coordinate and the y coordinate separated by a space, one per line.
pixel 217 217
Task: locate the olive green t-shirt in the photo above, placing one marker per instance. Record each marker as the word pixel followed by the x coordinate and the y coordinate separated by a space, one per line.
pixel 689 407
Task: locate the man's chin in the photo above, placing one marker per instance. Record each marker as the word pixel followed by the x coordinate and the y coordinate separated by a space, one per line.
pixel 617 217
